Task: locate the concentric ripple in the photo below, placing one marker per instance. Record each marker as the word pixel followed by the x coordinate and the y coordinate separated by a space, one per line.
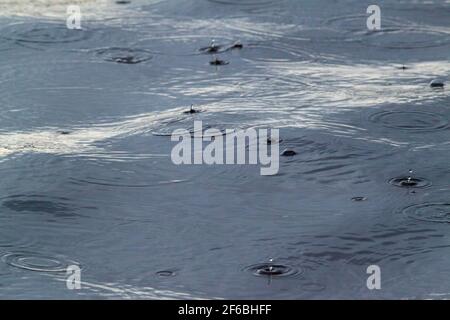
pixel 410 182
pixel 394 33
pixel 37 262
pixel 272 270
pixel 410 120
pixel 137 174
pixel 274 52
pixel 400 38
pixel 123 55
pixel 185 45
pixel 431 212
pixel 43 33
pixel 208 128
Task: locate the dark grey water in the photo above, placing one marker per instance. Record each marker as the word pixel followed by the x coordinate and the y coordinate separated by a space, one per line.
pixel 87 179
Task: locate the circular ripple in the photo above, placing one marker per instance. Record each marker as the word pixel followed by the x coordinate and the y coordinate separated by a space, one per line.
pixel 400 38
pixel 394 33
pixel 167 128
pixel 148 173
pixel 43 33
pixel 272 270
pixel 432 212
pixel 410 120
pixel 274 52
pixel 184 45
pixel 406 182
pixel 166 273
pixel 123 55
pixel 357 23
pixel 37 262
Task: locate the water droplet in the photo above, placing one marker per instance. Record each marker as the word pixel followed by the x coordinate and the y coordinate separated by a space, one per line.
pixel 272 269
pixel 410 182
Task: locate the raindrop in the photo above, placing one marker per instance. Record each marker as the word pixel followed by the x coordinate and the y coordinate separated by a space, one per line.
pixel 410 182
pixel 272 269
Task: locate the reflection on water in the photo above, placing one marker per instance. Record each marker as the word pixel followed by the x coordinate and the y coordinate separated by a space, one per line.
pixel 85 124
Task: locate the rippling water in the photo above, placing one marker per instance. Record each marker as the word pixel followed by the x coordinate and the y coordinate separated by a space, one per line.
pixel 87 179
